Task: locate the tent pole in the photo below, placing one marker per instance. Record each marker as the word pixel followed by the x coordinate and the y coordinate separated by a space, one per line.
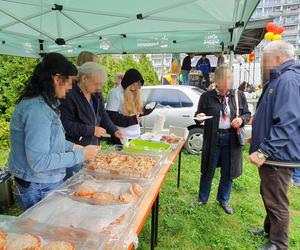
pixel 26 18
pixel 249 72
pixel 254 71
pixel 27 24
pixel 231 58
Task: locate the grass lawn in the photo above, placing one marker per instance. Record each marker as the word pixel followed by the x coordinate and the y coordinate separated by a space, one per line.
pixel 183 226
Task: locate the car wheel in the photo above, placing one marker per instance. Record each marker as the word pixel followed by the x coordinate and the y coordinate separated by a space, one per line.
pixel 194 141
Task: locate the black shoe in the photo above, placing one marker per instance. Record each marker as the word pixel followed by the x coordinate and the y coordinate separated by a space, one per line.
pixel 269 246
pixel 198 203
pixel 227 208
pixel 259 232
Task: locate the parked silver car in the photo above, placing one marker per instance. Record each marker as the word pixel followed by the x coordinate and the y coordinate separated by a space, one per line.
pixel 178 104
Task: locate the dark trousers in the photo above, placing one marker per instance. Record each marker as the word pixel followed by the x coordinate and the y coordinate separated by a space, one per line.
pixel 207 80
pixel 222 156
pixel 274 183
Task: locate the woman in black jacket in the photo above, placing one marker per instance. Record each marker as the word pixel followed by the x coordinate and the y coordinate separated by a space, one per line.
pixel 82 112
pixel 221 147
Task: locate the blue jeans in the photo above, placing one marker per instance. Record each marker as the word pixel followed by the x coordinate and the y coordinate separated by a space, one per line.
pixel 34 193
pixel 185 76
pixel 222 156
pixel 296 175
pixel 72 170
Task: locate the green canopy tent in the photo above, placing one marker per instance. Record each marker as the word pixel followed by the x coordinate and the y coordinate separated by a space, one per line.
pixel 33 27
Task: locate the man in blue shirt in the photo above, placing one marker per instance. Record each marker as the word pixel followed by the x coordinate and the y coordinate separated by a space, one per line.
pixel 275 147
pixel 203 65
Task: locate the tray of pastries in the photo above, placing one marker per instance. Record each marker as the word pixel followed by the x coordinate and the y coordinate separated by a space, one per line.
pixel 20 234
pixel 125 164
pixel 88 189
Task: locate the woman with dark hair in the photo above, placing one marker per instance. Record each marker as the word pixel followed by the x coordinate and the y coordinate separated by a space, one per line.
pixel 39 152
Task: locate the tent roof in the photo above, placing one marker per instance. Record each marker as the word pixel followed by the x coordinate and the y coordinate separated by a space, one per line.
pixel 28 28
pixel 252 35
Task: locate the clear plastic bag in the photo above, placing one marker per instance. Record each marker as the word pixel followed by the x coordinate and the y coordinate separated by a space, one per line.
pixel 88 189
pixel 40 234
pixel 59 210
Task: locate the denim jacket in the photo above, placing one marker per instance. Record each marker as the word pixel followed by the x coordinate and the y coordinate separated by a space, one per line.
pixel 39 150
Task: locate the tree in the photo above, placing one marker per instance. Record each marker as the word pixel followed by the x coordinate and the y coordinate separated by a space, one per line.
pixel 15 71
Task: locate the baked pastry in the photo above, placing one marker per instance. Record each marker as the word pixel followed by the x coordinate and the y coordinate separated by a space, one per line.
pixel 126 198
pixel 59 245
pixel 3 240
pixel 25 242
pixel 86 189
pixel 136 189
pixel 113 226
pixel 122 164
pixel 103 198
pixel 171 139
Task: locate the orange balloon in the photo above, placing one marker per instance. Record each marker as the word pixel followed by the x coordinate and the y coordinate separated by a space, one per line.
pixel 279 30
pixel 270 27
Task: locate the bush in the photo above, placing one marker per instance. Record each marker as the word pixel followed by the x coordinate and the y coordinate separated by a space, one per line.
pixel 15 71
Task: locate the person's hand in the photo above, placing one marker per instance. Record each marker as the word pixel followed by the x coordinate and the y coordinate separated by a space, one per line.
pixel 200 115
pixel 90 152
pixel 249 140
pixel 139 119
pixel 119 134
pixel 236 122
pixel 253 158
pixel 99 132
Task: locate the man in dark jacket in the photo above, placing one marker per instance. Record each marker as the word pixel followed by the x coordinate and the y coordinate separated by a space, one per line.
pixel 186 68
pixel 275 145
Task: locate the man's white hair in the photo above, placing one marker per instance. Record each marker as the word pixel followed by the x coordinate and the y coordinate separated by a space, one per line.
pixel 92 69
pixel 280 48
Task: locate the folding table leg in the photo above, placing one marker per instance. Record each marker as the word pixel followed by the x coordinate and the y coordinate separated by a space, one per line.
pixel 153 226
pixel 156 218
pixel 179 167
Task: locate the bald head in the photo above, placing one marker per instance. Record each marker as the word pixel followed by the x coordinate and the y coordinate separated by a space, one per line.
pixel 275 54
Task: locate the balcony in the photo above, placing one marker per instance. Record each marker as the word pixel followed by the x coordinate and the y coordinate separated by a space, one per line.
pixel 290 2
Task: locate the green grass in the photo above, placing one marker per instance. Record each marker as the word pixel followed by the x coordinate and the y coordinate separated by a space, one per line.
pixel 183 226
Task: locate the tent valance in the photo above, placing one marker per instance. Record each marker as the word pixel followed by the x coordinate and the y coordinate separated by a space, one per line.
pixel 29 28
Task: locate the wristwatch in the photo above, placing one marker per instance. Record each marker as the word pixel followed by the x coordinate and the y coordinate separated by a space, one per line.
pixel 261 156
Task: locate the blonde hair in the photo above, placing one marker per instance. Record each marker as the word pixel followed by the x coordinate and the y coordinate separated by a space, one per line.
pixel 91 70
pixel 132 102
pixel 221 71
pixel 85 56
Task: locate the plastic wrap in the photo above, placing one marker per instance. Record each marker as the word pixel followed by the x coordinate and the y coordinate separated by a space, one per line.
pixel 43 234
pixel 59 210
pixel 88 189
pixel 125 164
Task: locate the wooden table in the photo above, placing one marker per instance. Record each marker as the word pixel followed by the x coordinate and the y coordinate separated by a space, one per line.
pixel 151 198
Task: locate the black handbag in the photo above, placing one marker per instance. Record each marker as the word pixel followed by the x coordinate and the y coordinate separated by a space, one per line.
pixel 241 133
